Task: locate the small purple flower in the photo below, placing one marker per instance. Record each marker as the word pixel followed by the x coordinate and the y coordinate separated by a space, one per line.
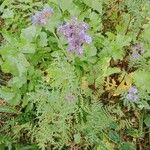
pixel 87 39
pixel 131 97
pixel 137 50
pixel 135 55
pixel 75 33
pixel 85 26
pixel 133 90
pixel 70 98
pixel 48 11
pixel 132 94
pixel 41 17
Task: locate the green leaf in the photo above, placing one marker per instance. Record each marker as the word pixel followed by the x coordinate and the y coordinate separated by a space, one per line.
pixel 29 33
pixel 53 22
pixel 147 121
pixel 26 147
pixel 95 4
pixel 114 45
pixel 142 79
pixel 146 33
pixel 43 39
pixel 65 5
pixel 110 71
pixel 21 64
pixel 18 82
pixel 13 97
pixel 144 104
pixel 16 65
pixel 7 109
pixel 28 48
pixel 113 135
pixel 74 11
pixel 90 50
pixel 8 13
pixel 8 66
pixel 126 146
pixel 77 138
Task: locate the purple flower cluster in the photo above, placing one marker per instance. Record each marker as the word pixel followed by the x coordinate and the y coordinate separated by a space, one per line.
pixel 132 94
pixel 75 33
pixel 137 50
pixel 70 98
pixel 41 17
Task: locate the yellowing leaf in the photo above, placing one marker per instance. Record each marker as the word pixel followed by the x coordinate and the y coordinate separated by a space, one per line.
pixel 124 85
pixel 110 84
pixel 84 83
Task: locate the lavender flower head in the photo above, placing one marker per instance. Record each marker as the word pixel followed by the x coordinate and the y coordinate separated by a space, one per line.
pixel 132 94
pixel 41 17
pixel 137 50
pixel 70 98
pixel 75 33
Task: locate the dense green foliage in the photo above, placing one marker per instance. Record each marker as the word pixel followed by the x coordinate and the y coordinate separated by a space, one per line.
pixel 51 99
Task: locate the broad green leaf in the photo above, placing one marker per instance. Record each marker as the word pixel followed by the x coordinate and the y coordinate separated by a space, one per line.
pixel 110 71
pixel 90 50
pixel 77 138
pixel 65 4
pixel 127 146
pixel 7 109
pixel 147 121
pixel 114 136
pixel 54 1
pixel 74 11
pixel 29 33
pixel 16 65
pixel 144 104
pixel 146 33
pixel 18 82
pixel 26 147
pixel 8 13
pixel 114 45
pixel 8 66
pixel 43 39
pixel 11 96
pixel 28 48
pixel 142 79
pixel 53 22
pixel 21 64
pixel 95 4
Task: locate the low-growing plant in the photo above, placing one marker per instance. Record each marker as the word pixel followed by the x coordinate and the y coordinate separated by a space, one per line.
pixel 74 75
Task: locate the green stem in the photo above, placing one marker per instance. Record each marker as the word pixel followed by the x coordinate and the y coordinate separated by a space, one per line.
pixel 59 42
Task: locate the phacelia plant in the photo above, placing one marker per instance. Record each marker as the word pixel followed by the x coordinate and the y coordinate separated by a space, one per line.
pixel 75 33
pixel 132 94
pixel 41 17
pixel 137 50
